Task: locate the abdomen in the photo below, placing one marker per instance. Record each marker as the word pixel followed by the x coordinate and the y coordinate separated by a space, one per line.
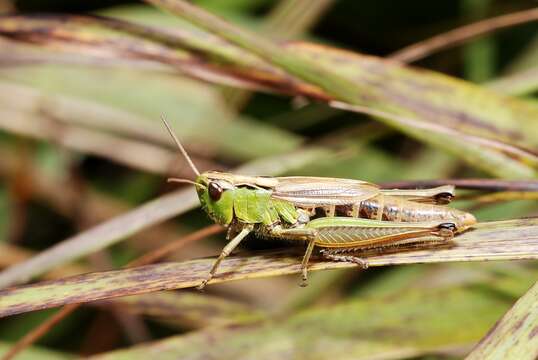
pixel 383 207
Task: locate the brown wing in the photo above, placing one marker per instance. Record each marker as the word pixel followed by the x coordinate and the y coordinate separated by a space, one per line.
pixel 440 195
pixel 321 191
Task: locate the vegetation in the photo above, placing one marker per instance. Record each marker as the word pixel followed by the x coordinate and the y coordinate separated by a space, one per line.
pixel 262 87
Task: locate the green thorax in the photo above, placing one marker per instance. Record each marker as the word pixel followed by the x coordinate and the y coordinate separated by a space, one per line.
pixel 247 205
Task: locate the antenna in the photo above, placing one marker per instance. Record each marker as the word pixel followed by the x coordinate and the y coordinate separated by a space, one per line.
pixel 181 148
pixel 178 180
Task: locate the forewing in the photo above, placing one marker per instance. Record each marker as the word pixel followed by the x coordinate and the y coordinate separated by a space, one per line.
pixel 440 195
pixel 321 191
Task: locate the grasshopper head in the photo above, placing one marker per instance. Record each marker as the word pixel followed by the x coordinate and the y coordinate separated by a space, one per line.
pixel 215 192
pixel 216 196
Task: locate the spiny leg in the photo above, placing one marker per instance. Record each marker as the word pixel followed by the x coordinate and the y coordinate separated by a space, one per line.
pixel 345 258
pixel 225 252
pixel 300 234
pixel 304 264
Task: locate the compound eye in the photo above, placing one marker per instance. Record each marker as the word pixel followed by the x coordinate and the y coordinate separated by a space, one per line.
pixel 215 191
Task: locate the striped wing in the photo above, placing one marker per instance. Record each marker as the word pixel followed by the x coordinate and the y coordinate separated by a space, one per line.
pixel 321 191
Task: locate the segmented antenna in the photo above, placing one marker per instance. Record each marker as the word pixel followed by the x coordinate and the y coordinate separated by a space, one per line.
pixel 178 180
pixel 181 148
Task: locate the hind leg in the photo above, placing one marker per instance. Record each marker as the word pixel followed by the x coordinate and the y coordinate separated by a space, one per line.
pixel 304 264
pixel 300 234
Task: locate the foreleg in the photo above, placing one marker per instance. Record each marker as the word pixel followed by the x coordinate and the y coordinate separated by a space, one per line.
pixel 225 252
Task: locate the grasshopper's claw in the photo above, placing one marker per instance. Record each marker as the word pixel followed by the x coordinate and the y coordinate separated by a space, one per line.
pixel 203 284
pixel 304 280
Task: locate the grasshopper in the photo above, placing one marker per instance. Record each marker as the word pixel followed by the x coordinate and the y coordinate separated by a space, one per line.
pixel 337 216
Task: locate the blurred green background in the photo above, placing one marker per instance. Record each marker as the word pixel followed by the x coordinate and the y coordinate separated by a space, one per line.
pixel 50 192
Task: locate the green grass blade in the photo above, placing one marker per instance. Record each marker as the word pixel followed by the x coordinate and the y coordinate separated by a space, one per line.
pixel 186 309
pixel 503 240
pixel 392 327
pixel 520 83
pixel 515 335
pixel 332 71
pixel 34 352
pixel 439 107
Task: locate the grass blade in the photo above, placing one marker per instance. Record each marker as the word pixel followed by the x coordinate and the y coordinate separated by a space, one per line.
pixel 389 327
pixel 316 65
pixel 101 236
pixel 187 309
pixel 36 353
pixel 499 132
pixel 502 240
pixel 515 335
pixel 520 83
pixel 457 36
